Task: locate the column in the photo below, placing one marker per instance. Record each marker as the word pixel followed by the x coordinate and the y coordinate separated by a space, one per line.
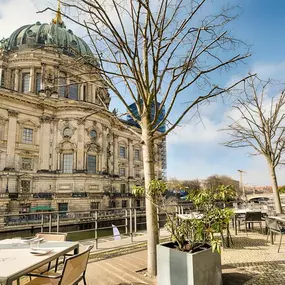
pixel 55 144
pixel 1 75
pixel 81 91
pixel 17 80
pixel 80 145
pixel 32 80
pixel 11 139
pixel 104 148
pixel 131 157
pixel 45 142
pixel 43 81
pixel 115 155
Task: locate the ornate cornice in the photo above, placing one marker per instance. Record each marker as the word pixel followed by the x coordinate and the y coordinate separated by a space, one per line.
pixel 46 119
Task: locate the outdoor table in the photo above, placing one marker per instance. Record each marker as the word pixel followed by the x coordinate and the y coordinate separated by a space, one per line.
pixel 244 211
pixel 16 260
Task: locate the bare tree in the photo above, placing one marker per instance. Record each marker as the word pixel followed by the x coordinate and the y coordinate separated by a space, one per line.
pixel 261 127
pixel 151 53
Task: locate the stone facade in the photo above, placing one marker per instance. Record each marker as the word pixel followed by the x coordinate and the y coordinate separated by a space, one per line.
pixel 58 147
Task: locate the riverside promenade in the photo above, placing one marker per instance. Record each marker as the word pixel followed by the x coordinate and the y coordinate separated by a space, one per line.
pixel 250 261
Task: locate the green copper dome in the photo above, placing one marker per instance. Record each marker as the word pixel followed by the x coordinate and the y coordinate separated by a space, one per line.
pixel 49 35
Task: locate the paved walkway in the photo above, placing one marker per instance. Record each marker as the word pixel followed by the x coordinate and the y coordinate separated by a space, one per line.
pixel 250 261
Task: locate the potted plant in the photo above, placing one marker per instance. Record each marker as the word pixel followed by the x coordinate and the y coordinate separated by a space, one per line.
pixel 193 255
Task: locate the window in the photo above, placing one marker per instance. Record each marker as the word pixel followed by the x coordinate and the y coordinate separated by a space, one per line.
pixel 62 87
pixel 67 163
pixel 27 136
pixel 122 152
pixel 67 132
pixel 26 163
pixel 63 208
pixel 91 164
pixel 137 154
pixel 124 204
pixel 25 82
pixel 137 173
pixel 73 91
pixel 122 171
pixel 138 203
pixel 95 205
pixel 123 188
pixel 25 186
pixel 93 134
pixel 38 82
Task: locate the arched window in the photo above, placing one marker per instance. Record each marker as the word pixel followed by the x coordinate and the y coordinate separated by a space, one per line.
pixel 93 134
pixel 67 132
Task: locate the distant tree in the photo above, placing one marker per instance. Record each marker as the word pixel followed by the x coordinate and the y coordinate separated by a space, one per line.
pixel 191 185
pixel 214 182
pixel 261 127
pixel 282 189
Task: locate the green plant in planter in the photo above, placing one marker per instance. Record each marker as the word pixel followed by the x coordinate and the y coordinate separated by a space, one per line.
pixel 196 233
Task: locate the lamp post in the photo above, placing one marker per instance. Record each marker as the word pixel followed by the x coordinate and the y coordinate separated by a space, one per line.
pixel 242 190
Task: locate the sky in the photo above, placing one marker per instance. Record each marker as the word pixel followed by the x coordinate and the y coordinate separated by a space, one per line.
pixel 195 150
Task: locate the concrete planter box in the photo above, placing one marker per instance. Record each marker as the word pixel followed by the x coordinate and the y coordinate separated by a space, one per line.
pixel 175 267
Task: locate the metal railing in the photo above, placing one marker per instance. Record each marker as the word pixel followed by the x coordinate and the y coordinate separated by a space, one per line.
pixel 128 220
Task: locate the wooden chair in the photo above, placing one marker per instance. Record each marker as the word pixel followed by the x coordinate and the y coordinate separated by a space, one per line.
pixel 48 237
pixel 73 271
pixel 52 236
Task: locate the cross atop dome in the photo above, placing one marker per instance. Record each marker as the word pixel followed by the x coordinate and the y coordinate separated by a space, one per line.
pixel 58 19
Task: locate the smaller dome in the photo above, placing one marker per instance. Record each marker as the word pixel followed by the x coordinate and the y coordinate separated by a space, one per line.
pixel 50 35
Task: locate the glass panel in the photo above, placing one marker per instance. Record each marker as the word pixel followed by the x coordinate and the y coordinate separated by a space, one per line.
pixel 25 186
pixel 62 87
pixel 122 172
pixel 123 188
pixel 67 163
pixel 27 136
pixel 137 154
pixel 93 134
pixel 38 82
pixel 25 82
pixel 91 164
pixel 122 151
pixel 73 91
pixel 26 163
pixel 95 205
pixel 124 203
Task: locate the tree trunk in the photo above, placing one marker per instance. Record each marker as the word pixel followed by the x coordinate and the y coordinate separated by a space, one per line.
pixel 151 217
pixel 275 187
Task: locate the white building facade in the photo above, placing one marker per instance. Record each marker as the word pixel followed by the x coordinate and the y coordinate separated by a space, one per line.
pixel 58 149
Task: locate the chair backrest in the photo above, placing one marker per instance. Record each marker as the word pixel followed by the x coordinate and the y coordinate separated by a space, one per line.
pixel 74 267
pixel 272 224
pixel 52 236
pixel 253 216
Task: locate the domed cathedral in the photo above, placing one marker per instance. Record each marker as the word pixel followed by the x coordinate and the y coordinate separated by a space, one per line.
pixel 59 149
